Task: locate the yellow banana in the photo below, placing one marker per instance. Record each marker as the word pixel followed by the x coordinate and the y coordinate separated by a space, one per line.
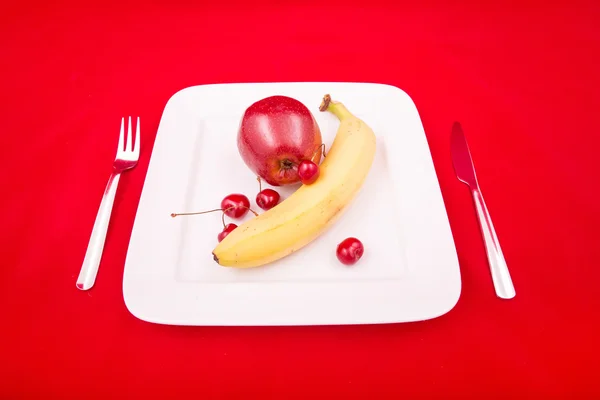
pixel 304 215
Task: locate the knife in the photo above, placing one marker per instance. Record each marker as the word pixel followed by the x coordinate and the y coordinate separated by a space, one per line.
pixel 465 171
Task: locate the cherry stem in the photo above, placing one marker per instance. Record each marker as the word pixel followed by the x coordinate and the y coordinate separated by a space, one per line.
pixel 259 184
pixel 198 213
pixel 252 211
pixel 223 217
pixel 321 147
pixel 215 210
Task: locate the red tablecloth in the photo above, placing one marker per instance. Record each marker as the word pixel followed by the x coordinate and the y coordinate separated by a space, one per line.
pixel 523 78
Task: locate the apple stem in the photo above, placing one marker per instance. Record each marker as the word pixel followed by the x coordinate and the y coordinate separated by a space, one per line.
pixel 334 107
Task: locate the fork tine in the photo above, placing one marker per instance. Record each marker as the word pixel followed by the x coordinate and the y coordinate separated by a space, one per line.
pixel 136 149
pixel 129 137
pixel 121 137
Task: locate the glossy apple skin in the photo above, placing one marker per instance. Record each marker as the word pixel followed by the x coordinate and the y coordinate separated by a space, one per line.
pixel 275 135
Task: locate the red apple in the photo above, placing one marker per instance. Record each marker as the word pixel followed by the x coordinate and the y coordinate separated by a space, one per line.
pixel 275 135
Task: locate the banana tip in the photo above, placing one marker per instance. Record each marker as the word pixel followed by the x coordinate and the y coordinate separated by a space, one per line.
pixel 215 258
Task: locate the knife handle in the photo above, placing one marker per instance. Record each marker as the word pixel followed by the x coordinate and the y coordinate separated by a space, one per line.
pixel 500 275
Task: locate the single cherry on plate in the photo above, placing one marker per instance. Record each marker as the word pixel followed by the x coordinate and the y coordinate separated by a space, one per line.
pixel 235 205
pixel 226 231
pixel 308 172
pixel 350 250
pixel 266 198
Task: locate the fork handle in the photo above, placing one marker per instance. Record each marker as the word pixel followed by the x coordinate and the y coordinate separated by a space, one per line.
pixel 93 255
pixel 500 275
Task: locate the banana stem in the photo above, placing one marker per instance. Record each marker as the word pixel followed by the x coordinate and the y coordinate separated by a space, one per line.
pixel 334 107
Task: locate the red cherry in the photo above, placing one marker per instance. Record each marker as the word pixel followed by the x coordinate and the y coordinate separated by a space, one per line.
pixel 267 199
pixel 350 251
pixel 308 172
pixel 235 205
pixel 226 231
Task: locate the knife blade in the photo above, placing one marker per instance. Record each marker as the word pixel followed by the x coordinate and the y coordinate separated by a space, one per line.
pixel 461 157
pixel 465 172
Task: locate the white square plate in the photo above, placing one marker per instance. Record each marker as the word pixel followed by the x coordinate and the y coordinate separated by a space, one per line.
pixel 409 270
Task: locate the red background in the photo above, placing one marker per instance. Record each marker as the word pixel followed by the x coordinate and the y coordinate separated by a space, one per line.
pixel 522 78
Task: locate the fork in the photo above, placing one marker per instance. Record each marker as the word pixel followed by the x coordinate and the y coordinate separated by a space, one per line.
pixel 127 158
